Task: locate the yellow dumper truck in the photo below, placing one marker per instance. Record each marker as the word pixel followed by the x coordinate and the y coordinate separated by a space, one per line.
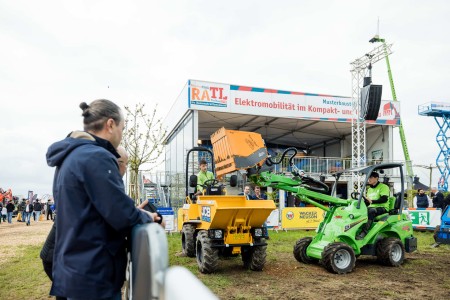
pixel 216 224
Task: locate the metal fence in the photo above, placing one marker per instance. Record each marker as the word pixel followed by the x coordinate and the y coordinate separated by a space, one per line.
pixel 173 184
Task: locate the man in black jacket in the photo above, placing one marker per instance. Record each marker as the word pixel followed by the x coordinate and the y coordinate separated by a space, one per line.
pixel 9 210
pixel 49 210
pixel 37 210
pixel 94 213
pixel 438 199
pixel 26 212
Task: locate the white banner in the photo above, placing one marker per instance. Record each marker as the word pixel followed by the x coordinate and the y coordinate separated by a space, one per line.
pixel 276 103
pixel 424 218
pixel 272 220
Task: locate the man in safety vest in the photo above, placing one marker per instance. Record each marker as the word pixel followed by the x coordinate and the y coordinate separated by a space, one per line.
pixel 378 201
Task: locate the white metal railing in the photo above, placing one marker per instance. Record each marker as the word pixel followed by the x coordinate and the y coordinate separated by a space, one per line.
pixel 324 165
pixel 161 177
pixel 430 107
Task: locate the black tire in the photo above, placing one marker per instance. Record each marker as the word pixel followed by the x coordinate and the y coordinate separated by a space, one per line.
pixel 338 258
pixel 254 258
pixel 300 251
pixel 207 257
pixel 390 252
pixel 187 240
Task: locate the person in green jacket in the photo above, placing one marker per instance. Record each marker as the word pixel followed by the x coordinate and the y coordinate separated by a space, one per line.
pixel 377 201
pixel 203 176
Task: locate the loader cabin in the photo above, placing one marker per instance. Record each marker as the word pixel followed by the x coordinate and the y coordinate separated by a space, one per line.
pixel 318 125
pixel 385 171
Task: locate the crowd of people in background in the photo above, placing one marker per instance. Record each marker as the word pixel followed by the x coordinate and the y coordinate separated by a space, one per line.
pixel 24 210
pixel 435 199
pixel 255 195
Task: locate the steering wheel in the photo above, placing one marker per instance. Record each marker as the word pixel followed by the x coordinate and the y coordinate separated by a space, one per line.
pixel 210 182
pixel 309 181
pixel 355 195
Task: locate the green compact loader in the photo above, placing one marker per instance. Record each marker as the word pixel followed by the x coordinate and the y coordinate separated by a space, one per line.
pixel 335 244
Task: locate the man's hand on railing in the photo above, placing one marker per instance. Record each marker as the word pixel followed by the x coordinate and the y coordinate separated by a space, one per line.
pixel 157 218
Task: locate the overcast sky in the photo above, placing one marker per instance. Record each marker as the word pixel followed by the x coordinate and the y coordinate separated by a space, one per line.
pixel 56 54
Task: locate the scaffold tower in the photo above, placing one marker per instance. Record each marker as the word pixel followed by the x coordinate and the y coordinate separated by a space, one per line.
pixel 359 67
pixel 441 113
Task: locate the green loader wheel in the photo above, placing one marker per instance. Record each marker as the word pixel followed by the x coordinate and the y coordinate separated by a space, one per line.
pixel 254 258
pixel 300 251
pixel 338 258
pixel 207 256
pixel 187 240
pixel 391 252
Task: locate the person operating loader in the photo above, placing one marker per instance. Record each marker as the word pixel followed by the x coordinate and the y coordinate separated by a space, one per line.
pixel 377 198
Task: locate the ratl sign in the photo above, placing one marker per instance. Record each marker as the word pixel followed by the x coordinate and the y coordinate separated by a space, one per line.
pixel 277 103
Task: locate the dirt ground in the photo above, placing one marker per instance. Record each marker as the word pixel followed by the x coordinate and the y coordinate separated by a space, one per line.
pixel 422 276
pixel 18 234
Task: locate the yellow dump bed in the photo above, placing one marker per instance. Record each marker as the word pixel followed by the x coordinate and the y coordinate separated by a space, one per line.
pixel 225 211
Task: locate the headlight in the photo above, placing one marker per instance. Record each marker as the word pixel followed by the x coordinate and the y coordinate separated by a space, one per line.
pixel 215 234
pixel 218 234
pixel 258 232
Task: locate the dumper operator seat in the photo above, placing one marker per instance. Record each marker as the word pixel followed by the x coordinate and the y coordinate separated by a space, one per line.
pixel 210 187
pixel 214 190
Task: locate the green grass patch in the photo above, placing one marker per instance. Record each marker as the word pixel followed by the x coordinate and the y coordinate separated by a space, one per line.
pixel 23 276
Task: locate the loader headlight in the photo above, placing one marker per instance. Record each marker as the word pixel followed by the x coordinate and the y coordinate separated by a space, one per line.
pixel 258 232
pixel 215 234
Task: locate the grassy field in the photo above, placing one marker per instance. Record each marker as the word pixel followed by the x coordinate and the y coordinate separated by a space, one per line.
pixel 22 276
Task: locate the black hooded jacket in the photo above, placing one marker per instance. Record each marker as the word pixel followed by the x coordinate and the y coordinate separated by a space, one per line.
pixel 94 216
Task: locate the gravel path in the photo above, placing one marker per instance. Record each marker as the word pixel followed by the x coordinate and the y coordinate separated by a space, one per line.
pixel 17 234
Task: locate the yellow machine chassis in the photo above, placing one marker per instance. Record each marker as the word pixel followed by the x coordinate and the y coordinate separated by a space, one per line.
pixel 234 214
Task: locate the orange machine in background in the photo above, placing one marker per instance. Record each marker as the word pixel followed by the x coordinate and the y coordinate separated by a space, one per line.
pixel 237 150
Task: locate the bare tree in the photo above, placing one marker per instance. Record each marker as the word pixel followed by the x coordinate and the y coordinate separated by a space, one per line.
pixel 142 138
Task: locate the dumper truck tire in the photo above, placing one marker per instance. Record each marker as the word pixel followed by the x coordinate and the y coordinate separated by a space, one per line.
pixel 207 256
pixel 188 240
pixel 390 252
pixel 254 258
pixel 338 258
pixel 300 251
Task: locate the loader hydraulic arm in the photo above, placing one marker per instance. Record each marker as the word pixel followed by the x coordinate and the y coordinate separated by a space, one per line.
pixel 303 187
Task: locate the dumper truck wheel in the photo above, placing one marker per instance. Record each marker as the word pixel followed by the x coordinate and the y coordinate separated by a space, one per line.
pixel 187 240
pixel 254 258
pixel 300 251
pixel 391 252
pixel 338 258
pixel 207 257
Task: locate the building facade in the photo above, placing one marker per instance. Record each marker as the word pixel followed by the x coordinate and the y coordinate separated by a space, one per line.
pixel 318 125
